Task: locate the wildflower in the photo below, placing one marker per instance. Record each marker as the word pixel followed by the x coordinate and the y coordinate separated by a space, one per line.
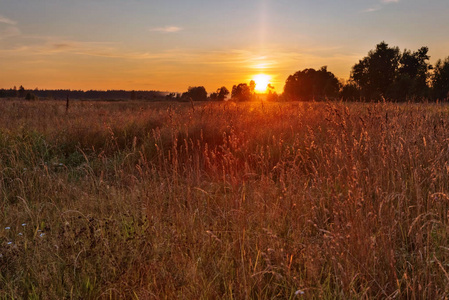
pixel 299 292
pixel 24 224
pixel 42 234
pixel 20 234
pixel 9 243
pixel 7 228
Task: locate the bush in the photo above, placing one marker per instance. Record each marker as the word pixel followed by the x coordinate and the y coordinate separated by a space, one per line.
pixel 31 96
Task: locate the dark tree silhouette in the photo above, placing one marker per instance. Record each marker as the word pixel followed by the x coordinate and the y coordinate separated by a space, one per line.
pixel 196 93
pixel 252 86
pixel 21 92
pixel 220 94
pixel 440 80
pixel 77 94
pixel 310 84
pixel 413 75
pixel 350 92
pixel 414 64
pixel 376 73
pixel 30 96
pixel 272 96
pixel 389 74
pixel 170 96
pixel 241 92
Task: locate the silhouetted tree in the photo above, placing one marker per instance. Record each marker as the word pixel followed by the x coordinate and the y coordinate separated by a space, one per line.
pixel 415 65
pixel 350 92
pixel 311 84
pixel 214 96
pixel 170 96
pixel 272 96
pixel 30 96
pixel 220 94
pixel 21 91
pixel 252 86
pixel 387 73
pixel 413 75
pixel 376 73
pixel 223 92
pixel 440 80
pixel 196 93
pixel 241 92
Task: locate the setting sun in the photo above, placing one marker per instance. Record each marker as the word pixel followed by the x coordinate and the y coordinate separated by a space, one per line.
pixel 262 81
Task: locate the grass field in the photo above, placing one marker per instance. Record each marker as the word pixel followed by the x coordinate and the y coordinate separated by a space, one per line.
pixel 223 200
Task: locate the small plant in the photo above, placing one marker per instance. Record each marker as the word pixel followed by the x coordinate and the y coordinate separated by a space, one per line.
pixel 30 96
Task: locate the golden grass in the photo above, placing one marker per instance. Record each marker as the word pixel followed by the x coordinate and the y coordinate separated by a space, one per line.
pixel 223 200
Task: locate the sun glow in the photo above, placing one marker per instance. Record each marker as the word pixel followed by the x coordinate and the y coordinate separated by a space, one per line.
pixel 262 81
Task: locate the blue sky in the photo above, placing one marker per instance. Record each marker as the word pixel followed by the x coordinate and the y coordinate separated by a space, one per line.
pixel 172 44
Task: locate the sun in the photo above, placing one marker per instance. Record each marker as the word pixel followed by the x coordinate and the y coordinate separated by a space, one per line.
pixel 262 81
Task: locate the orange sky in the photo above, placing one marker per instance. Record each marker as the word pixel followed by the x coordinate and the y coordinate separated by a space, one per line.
pixel 173 44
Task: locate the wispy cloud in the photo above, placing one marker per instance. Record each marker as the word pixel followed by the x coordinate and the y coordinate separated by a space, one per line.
pixel 49 46
pixel 9 31
pixel 6 20
pixel 167 29
pixel 53 46
pixel 80 48
pixel 380 6
pixel 8 28
pixel 372 9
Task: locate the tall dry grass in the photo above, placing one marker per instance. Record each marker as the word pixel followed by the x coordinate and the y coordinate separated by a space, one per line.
pixel 223 200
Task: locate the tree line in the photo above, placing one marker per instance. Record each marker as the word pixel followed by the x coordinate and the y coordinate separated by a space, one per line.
pixel 385 73
pixel 239 92
pixel 33 94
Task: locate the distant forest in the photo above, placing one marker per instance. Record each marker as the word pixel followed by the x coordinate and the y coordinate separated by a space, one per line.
pixel 385 74
pixel 28 94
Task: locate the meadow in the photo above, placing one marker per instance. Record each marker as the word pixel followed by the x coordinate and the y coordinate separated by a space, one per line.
pixel 142 200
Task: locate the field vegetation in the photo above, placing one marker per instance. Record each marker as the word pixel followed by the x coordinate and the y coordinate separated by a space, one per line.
pixel 212 200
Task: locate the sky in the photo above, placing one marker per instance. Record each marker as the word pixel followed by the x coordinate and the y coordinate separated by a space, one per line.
pixel 169 45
